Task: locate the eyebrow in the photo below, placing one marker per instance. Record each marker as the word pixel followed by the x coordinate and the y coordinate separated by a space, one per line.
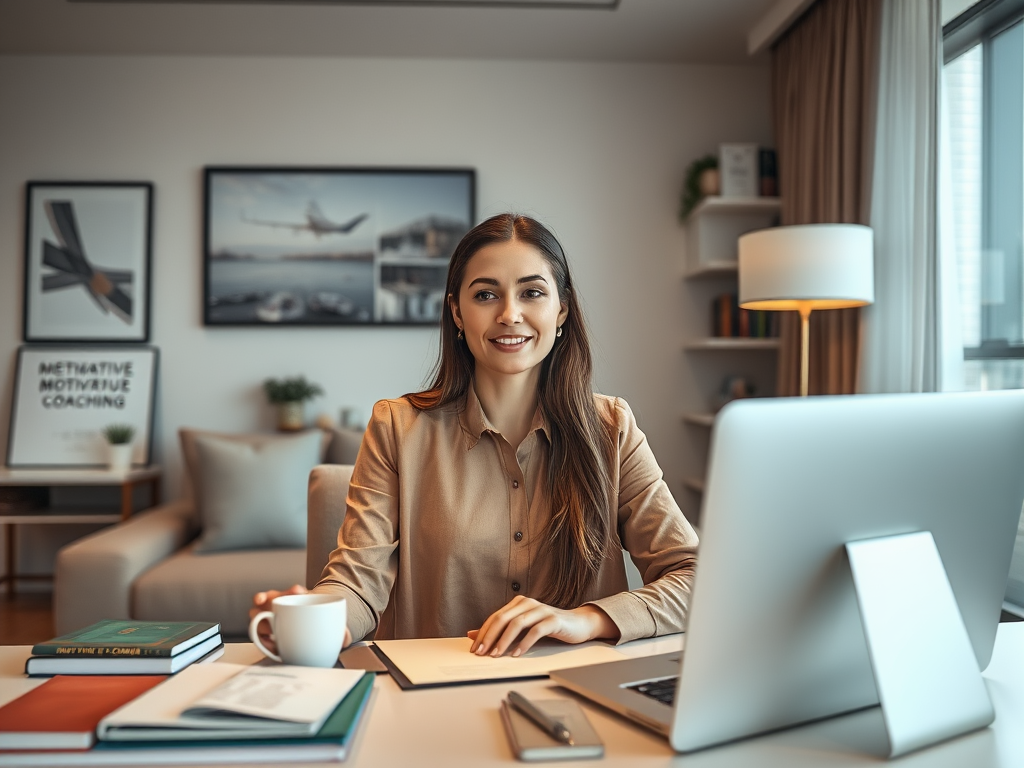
pixel 520 281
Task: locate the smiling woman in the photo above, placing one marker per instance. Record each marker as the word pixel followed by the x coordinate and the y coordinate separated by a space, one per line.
pixel 496 503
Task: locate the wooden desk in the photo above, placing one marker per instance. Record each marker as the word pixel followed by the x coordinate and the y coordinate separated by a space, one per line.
pixel 460 726
pixel 127 481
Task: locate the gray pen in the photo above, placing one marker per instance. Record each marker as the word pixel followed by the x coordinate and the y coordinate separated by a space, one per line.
pixel 554 728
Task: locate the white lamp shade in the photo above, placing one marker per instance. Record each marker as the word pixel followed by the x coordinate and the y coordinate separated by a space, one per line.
pixel 820 266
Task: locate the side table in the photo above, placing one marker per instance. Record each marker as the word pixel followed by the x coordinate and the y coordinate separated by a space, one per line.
pixel 126 480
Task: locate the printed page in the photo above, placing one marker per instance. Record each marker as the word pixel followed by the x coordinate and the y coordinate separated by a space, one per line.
pixel 448 659
pixel 281 692
pixel 159 713
pixel 161 707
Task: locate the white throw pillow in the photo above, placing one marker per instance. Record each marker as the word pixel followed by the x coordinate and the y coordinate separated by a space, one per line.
pixel 253 495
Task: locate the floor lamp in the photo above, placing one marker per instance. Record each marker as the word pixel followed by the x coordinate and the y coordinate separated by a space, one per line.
pixel 807 267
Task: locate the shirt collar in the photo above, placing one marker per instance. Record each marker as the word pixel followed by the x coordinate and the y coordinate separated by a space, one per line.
pixel 474 420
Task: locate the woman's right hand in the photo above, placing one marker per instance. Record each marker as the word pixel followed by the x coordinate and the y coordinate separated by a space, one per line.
pixel 261 602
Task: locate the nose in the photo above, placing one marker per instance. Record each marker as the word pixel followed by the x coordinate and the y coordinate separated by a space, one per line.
pixel 510 313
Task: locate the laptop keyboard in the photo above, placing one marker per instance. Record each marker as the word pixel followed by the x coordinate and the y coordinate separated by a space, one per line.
pixel 662 690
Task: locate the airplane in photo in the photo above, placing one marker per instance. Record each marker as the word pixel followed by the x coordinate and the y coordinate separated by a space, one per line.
pixel 315 222
pixel 74 269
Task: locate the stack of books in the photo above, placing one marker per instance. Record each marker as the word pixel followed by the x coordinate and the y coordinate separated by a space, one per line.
pixel 728 319
pixel 126 647
pixel 209 713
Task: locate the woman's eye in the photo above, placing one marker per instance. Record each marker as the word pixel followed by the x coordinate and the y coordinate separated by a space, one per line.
pixel 533 293
pixel 484 295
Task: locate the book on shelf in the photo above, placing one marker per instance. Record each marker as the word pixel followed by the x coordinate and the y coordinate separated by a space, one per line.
pixel 63 712
pixel 208 650
pixel 728 319
pixel 126 637
pixel 768 166
pixel 332 743
pixel 219 701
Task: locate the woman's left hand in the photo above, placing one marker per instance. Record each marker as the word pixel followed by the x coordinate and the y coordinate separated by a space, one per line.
pixel 536 619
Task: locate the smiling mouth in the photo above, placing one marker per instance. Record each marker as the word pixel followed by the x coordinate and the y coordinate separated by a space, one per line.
pixel 510 343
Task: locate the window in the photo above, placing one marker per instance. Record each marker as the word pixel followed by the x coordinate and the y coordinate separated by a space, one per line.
pixel 982 192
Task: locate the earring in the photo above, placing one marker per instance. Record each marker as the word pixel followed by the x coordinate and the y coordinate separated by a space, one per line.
pixel 459 334
pixel 559 331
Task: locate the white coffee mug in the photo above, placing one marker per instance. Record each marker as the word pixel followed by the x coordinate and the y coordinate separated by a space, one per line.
pixel 309 629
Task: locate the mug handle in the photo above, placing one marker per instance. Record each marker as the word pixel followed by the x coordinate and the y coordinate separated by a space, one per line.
pixel 255 637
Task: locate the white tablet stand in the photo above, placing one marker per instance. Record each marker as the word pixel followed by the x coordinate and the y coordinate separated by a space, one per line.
pixel 925 670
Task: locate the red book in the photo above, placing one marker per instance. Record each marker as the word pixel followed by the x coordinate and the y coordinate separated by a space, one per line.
pixel 725 314
pixel 63 712
pixel 744 329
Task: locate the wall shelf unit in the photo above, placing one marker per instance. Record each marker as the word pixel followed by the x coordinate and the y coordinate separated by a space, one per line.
pixel 711 268
pixel 706 420
pixel 731 344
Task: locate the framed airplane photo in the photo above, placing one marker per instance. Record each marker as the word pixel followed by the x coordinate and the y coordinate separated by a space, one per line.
pixel 331 246
pixel 87 261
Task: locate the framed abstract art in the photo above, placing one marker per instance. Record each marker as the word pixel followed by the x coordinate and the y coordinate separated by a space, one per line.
pixel 87 261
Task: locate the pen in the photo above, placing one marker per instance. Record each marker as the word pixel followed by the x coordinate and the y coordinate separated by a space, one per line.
pixel 550 725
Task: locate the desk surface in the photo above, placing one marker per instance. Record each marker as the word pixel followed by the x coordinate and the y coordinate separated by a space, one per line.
pixel 460 726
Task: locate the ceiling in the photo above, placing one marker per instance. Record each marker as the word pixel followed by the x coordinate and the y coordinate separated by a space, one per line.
pixel 691 31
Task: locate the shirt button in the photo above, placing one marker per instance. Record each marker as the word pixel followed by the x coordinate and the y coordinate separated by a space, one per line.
pixel 519 536
pixel 515 483
pixel 515 586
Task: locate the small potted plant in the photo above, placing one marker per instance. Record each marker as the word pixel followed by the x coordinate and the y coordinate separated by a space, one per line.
pixel 290 396
pixel 119 446
pixel 702 180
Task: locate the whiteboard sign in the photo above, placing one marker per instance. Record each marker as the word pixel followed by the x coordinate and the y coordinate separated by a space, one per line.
pixel 65 396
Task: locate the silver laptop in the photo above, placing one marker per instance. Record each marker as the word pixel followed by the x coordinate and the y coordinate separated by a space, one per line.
pixel 774 636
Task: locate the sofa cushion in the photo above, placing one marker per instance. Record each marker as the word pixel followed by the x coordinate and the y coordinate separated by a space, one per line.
pixel 344 445
pixel 253 496
pixel 214 587
pixel 187 439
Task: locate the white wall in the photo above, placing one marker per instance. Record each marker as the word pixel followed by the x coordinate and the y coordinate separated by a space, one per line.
pixel 597 151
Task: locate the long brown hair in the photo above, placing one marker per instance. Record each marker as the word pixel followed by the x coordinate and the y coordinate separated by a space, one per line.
pixel 581 445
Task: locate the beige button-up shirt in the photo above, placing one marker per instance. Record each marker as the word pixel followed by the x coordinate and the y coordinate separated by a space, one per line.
pixel 445 524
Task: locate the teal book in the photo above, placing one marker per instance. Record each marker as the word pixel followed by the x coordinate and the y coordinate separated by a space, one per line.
pixel 128 638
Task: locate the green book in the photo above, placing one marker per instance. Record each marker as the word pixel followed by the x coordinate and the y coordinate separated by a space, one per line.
pixel 128 638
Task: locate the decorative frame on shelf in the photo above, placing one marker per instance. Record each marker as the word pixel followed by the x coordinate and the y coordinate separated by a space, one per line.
pixel 88 250
pixel 65 395
pixel 303 246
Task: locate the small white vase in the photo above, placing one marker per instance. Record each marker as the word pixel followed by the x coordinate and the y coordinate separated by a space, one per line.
pixel 119 456
pixel 291 417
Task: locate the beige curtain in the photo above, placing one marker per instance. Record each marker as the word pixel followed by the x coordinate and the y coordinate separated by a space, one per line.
pixel 823 87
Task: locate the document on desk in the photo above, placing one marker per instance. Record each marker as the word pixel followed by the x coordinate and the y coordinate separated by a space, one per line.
pixel 448 661
pixel 222 701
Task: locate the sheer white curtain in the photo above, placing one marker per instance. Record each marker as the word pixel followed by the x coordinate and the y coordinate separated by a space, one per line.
pixel 950 337
pixel 901 349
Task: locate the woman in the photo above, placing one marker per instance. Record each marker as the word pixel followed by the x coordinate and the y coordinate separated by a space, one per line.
pixel 496 502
